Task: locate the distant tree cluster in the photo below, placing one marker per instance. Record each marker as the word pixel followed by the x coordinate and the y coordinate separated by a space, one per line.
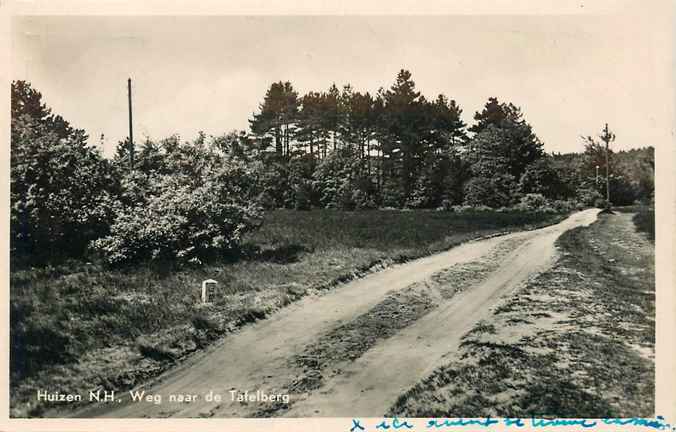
pixel 347 149
pixel 338 148
pixel 631 179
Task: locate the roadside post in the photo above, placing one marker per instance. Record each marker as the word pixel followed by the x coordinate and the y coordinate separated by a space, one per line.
pixel 205 294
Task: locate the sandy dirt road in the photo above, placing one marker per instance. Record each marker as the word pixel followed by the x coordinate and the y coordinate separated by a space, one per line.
pixel 259 356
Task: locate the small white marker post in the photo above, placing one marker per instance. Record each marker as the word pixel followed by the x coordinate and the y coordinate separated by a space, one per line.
pixel 204 289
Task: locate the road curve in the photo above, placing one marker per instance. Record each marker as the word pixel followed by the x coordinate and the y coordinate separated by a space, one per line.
pixel 257 357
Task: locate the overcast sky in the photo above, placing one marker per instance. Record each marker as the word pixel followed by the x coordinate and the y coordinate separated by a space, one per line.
pixel 569 74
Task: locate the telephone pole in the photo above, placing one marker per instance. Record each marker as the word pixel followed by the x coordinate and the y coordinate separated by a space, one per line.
pixel 607 137
pixel 131 132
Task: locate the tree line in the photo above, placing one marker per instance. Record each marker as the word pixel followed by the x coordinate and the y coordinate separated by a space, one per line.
pixel 348 149
pixel 339 148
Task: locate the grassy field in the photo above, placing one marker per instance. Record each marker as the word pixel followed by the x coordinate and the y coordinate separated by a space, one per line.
pixel 79 327
pixel 576 341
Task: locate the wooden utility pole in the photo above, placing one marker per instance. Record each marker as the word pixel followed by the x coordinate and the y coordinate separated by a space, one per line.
pixel 597 174
pixel 131 132
pixel 607 137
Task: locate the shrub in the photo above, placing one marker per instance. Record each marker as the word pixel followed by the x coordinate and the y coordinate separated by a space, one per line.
pixel 532 201
pixel 644 220
pixel 61 189
pixel 158 352
pixel 391 193
pixel 266 200
pixel 274 180
pixel 622 192
pixel 481 208
pixel 344 199
pixel 337 177
pixel 469 208
pixel 459 208
pixel 541 178
pixel 181 220
pixel 303 195
pixel 565 205
pixel 362 201
pixel 204 323
pixel 495 191
pixel 589 197
pixel 446 205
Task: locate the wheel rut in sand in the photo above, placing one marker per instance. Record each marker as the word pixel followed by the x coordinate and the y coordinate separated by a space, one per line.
pixel 325 358
pixel 369 385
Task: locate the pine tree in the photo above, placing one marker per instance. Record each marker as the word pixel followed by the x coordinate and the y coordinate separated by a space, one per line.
pixel 310 127
pixel 278 115
pixel 519 144
pixel 402 118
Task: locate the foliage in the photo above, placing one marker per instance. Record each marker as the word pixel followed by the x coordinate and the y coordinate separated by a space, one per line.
pixel 566 205
pixel 339 179
pixel 438 180
pixel 274 182
pixel 532 201
pixel 590 197
pixel 491 183
pixel 632 174
pixel 622 192
pixel 644 220
pixel 494 191
pixel 541 178
pixel 199 211
pixel 396 136
pixel 61 189
pixel 338 148
pixel 278 115
pixel 518 144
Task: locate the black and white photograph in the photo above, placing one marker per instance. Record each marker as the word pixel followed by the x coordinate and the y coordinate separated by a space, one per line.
pixel 443 216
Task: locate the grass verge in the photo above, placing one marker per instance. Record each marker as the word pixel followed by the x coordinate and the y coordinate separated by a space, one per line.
pixel 644 220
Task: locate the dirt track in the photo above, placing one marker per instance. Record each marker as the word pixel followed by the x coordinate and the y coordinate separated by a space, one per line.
pixel 265 356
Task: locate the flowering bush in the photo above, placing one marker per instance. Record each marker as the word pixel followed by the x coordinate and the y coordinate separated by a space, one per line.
pixel 532 201
pixel 181 218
